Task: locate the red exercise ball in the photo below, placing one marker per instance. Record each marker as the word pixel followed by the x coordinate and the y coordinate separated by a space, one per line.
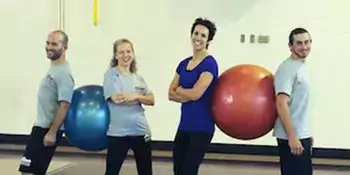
pixel 243 103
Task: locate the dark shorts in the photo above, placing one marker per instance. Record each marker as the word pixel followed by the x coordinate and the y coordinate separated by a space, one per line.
pixel 291 164
pixel 37 157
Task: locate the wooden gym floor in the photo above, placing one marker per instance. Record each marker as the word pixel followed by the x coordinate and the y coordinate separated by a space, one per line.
pixel 71 161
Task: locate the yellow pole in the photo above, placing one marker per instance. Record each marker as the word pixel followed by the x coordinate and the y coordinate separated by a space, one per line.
pixel 95 12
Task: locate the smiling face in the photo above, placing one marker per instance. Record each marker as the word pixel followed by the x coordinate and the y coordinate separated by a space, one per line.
pixel 200 37
pixel 124 54
pixel 54 46
pixel 301 45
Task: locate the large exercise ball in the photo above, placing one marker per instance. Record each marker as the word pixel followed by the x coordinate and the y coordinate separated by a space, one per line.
pixel 87 121
pixel 243 102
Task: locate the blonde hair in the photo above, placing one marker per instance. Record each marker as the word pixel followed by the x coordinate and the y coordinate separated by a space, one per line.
pixel 114 61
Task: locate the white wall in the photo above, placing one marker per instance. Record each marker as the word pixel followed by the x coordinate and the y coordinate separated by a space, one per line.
pixel 160 32
pixel 24 27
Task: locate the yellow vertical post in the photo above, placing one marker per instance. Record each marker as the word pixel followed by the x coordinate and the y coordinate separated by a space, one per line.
pixel 95 20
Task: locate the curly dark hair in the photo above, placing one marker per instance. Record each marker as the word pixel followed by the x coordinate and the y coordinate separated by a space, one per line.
pixel 208 24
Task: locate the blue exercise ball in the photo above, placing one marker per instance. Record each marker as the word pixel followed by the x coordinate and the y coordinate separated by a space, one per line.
pixel 87 120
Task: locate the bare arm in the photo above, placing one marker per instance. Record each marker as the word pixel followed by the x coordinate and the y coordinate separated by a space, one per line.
pixel 60 116
pixel 132 99
pixel 118 98
pixel 147 99
pixel 65 89
pixel 124 99
pixel 199 88
pixel 172 94
pixel 283 110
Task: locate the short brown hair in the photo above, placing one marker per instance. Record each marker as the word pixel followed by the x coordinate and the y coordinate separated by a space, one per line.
pixel 64 36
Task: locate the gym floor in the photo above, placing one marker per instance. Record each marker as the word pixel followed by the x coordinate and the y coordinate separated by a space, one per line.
pixel 69 161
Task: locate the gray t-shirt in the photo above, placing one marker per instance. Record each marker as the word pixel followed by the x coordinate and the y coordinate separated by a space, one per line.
pixel 57 85
pixel 125 120
pixel 292 78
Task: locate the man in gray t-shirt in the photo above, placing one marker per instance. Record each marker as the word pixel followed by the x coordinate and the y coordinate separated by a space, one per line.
pixel 53 101
pixel 292 128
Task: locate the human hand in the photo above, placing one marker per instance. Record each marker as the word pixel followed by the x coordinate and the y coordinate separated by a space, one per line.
pixel 296 147
pixel 179 89
pixel 130 97
pixel 49 139
pixel 118 98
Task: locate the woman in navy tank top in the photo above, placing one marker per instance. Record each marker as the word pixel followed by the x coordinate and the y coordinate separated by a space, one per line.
pixel 192 86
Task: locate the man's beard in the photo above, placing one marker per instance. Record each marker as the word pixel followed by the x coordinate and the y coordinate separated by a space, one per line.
pixel 56 55
pixel 300 55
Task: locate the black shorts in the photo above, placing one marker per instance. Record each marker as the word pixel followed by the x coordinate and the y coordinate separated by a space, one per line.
pixel 37 157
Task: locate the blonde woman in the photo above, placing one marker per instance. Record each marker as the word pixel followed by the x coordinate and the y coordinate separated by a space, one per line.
pixel 126 92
